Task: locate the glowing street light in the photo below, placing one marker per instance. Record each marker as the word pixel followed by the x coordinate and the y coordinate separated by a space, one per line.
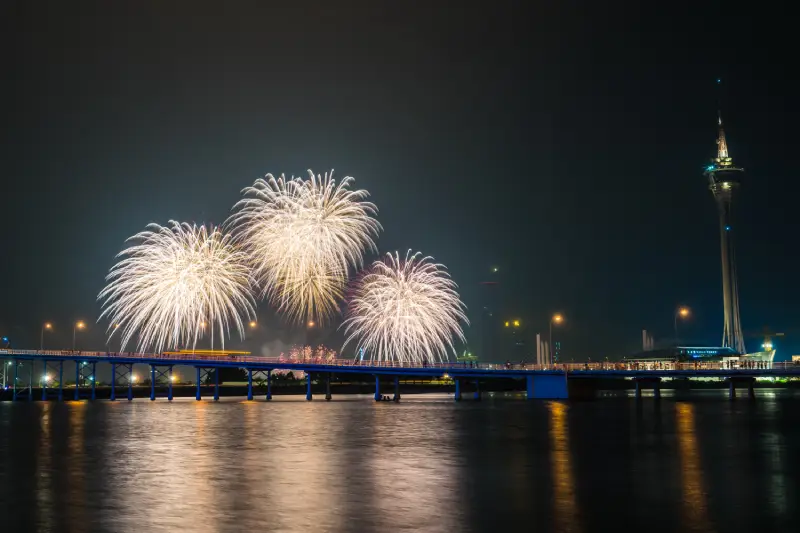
pixel 555 319
pixel 683 313
pixel 173 378
pixel 133 378
pixel 78 325
pixel 46 326
pixel 253 324
pixel 311 323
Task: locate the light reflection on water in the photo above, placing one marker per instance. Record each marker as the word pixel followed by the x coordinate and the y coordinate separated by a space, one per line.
pixel 426 464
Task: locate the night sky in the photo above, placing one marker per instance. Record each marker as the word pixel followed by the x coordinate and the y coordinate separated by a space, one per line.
pixel 563 142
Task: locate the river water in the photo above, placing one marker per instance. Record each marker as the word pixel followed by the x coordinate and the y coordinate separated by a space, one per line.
pixel 425 464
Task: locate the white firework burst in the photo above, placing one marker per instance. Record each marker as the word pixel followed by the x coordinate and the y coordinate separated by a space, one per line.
pixel 406 311
pixel 302 236
pixel 176 284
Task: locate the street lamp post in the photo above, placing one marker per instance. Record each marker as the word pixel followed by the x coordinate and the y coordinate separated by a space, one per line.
pixel 78 325
pixel 46 326
pixel 682 312
pixel 558 319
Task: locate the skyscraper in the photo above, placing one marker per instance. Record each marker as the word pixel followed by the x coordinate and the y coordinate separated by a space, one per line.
pixel 723 181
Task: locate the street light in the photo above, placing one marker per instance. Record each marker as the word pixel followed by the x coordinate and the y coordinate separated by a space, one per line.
pixel 253 324
pixel 78 325
pixel 682 312
pixel 311 323
pixel 555 319
pixel 46 326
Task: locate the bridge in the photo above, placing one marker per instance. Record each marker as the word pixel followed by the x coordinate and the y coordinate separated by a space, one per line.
pixel 541 381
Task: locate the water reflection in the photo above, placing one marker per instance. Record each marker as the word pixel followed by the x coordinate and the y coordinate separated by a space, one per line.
pixel 565 508
pixel 694 497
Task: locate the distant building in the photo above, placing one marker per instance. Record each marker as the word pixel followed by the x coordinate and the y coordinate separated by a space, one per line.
pixel 796 358
pixel 557 351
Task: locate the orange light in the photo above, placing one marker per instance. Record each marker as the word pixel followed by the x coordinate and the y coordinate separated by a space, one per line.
pixel 80 325
pixel 683 312
pixel 311 323
pixel 516 323
pixel 253 324
pixel 558 319
pixel 48 325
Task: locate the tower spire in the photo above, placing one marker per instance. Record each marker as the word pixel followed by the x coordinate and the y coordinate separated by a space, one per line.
pixel 722 144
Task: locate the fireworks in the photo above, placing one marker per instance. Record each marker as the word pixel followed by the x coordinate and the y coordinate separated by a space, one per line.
pixel 302 236
pixel 405 311
pixel 175 282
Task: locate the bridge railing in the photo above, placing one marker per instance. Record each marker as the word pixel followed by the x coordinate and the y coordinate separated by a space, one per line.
pixel 446 366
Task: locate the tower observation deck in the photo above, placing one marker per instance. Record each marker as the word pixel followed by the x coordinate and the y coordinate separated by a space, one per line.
pixel 723 181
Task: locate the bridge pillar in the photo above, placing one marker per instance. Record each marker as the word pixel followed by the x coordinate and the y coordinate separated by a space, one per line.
pixel 731 389
pixel 152 383
pixel 328 387
pixel 308 386
pixel 44 384
pixel 269 384
pixel 547 386
pixel 169 384
pixel 130 382
pixel 94 380
pixel 396 389
pixel 657 389
pixel 457 396
pixel 377 388
pixel 638 389
pixel 113 381
pixel 751 393
pixel 216 384
pixel 250 384
pixel 30 382
pixel 61 381
pixel 77 380
pixel 529 387
pixel 14 394
pixel 197 395
pixel 478 390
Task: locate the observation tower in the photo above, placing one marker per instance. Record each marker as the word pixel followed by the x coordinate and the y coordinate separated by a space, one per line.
pixel 723 181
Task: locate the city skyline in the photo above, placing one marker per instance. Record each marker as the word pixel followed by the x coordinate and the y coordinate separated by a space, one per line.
pixel 615 238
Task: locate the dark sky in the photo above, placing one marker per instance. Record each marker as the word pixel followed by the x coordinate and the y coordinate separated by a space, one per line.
pixel 563 142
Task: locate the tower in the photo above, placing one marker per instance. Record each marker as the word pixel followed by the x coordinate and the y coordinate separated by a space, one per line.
pixel 723 181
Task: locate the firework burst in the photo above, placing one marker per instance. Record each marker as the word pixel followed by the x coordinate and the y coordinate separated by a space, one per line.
pixel 173 283
pixel 302 236
pixel 405 311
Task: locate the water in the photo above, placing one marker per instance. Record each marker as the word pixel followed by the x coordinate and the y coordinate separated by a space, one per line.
pixel 424 465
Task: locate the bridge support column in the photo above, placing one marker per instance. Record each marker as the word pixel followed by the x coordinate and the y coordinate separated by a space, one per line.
pixel 328 387
pixel 216 384
pixel 94 380
pixel 152 383
pixel 130 383
pixel 638 389
pixel 77 380
pixel 308 386
pixel 30 382
pixel 44 383
pixel 396 389
pixel 657 389
pixel 197 395
pixel 169 384
pixel 249 384
pixel 377 388
pixel 529 387
pixel 14 395
pixel 269 385
pixel 457 396
pixel 751 393
pixel 61 381
pixel 477 390
pixel 731 389
pixel 113 381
